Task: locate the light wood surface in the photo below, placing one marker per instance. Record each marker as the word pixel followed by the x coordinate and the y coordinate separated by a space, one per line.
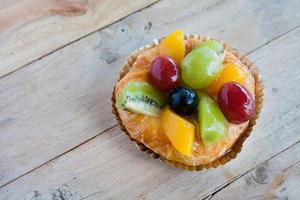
pixel 30 29
pixel 58 139
pixel 277 178
pixel 109 166
pixel 67 93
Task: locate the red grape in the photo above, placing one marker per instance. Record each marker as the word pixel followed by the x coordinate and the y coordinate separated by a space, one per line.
pixel 236 102
pixel 164 73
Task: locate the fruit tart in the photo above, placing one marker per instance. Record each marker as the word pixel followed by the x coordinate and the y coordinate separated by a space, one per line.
pixel 189 100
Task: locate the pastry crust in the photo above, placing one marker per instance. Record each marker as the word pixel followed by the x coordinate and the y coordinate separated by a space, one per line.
pixel 146 129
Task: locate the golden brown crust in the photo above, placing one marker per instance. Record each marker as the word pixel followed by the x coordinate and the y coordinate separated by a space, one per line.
pixel 150 134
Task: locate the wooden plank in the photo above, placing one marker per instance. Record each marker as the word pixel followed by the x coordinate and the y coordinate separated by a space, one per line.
pixel 62 100
pixel 30 29
pixel 109 166
pixel 278 178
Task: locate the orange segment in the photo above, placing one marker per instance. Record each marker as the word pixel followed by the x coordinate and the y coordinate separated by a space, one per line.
pixel 173 46
pixel 231 72
pixel 179 131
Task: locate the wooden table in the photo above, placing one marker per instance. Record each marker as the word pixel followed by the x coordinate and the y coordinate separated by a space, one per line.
pixel 59 60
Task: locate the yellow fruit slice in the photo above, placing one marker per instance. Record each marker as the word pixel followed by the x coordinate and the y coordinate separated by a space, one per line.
pixel 173 46
pixel 231 72
pixel 179 131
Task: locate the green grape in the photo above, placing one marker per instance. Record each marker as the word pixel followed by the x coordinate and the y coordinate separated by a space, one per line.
pixel 201 67
pixel 214 45
pixel 212 123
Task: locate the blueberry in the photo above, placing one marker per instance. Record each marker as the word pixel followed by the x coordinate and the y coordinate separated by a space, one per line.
pixel 183 100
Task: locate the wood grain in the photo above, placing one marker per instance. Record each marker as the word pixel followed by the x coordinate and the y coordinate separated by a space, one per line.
pixel 62 100
pixel 278 178
pixel 56 103
pixel 30 29
pixel 109 166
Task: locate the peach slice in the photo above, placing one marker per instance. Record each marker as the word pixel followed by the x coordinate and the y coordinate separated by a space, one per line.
pixel 179 131
pixel 230 72
pixel 173 46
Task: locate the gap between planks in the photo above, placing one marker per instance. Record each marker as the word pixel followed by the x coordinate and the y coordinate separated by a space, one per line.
pixel 78 39
pixel 275 38
pixel 103 132
pixel 84 142
pixel 216 190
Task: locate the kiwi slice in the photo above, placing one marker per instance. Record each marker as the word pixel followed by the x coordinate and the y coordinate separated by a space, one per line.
pixel 140 97
pixel 214 45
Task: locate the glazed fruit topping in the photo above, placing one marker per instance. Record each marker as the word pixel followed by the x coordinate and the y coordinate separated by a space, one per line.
pixel 173 46
pixel 213 45
pixel 201 67
pixel 212 122
pixel 140 98
pixel 183 100
pixel 179 131
pixel 230 72
pixel 236 102
pixel 164 73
